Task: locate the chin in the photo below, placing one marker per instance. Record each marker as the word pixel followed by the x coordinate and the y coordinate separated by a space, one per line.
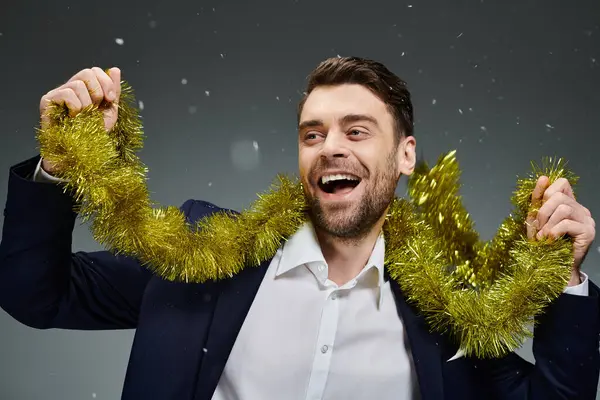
pixel 341 219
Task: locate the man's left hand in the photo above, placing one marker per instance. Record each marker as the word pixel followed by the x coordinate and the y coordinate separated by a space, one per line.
pixel 560 214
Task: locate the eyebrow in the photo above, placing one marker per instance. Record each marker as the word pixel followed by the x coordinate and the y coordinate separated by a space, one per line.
pixel 346 119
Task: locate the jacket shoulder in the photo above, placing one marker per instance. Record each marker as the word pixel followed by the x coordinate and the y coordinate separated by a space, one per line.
pixel 195 210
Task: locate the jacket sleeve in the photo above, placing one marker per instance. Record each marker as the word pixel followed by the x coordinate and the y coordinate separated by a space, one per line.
pixel 43 284
pixel 565 347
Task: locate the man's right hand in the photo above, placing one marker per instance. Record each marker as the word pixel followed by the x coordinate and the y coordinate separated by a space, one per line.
pixel 88 86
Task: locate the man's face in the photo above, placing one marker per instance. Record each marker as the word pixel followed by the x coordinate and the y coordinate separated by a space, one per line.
pixel 349 160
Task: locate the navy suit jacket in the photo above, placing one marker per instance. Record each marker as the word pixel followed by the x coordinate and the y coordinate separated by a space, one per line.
pixel 185 332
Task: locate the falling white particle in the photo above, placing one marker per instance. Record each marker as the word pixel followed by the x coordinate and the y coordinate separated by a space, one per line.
pixel 593 60
pixel 222 55
pixel 192 109
pixel 598 249
pixel 152 24
pixel 518 120
pixel 93 395
pixel 433 101
pixel 141 105
pixel 483 128
pixel 277 97
pixel 549 126
pixel 255 145
pixel 459 35
pixel 470 109
pixel 205 350
pixel 213 9
pixel 402 55
pixel 184 81
pixel 119 41
pixel 1 33
pixel 460 111
pixel 207 93
pixel 410 6
pixel 462 85
pixel 209 184
pixel 282 150
pixel 338 56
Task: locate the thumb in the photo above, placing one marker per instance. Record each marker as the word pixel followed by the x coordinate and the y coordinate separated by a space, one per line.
pixel 536 202
pixel 115 74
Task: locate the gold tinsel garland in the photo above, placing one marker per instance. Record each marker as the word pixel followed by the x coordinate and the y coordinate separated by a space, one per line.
pixel 484 295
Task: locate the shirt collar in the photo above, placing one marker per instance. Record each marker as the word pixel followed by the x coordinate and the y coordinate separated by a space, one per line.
pixel 303 248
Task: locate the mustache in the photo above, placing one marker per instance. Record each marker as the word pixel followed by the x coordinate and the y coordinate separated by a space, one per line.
pixel 325 164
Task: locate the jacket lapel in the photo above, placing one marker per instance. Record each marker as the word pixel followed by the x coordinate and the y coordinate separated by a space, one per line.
pixel 234 298
pixel 426 347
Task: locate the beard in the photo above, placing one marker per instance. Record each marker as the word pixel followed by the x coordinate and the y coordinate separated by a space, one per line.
pixel 356 220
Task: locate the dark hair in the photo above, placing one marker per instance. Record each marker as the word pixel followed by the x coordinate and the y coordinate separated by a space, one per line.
pixel 374 76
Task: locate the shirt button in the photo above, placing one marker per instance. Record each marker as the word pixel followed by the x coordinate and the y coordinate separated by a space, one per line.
pixel 334 296
pixel 324 349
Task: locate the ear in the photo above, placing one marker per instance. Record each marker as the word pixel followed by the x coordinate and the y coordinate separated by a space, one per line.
pixel 407 156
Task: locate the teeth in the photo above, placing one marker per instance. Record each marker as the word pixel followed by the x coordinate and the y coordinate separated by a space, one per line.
pixel 329 178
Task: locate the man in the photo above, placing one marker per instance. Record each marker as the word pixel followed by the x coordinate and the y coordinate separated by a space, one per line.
pixel 321 320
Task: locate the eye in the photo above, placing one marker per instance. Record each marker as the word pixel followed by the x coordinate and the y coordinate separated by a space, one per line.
pixel 312 136
pixel 356 132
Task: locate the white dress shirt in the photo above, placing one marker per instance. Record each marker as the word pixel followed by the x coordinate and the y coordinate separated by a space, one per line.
pixel 306 338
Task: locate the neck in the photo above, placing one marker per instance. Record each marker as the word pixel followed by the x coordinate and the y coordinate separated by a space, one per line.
pixel 347 257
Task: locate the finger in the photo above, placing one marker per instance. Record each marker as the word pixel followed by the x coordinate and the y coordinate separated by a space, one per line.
pixel 587 211
pixel 561 185
pixel 564 212
pixel 91 82
pixel 107 84
pixel 556 201
pixel 64 96
pixel 115 75
pixel 567 227
pixel 81 91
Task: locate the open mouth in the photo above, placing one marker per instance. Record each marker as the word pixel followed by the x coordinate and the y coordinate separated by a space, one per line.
pixel 338 183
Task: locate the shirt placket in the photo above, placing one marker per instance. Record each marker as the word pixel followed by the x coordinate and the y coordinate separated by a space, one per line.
pixel 325 343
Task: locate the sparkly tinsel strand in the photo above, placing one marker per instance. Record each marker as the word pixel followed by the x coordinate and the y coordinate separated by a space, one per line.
pixel 482 294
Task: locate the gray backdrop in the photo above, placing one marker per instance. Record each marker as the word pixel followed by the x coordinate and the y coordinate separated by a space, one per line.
pixel 503 82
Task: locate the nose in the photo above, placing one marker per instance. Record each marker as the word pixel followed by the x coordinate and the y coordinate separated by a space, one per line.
pixel 335 146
